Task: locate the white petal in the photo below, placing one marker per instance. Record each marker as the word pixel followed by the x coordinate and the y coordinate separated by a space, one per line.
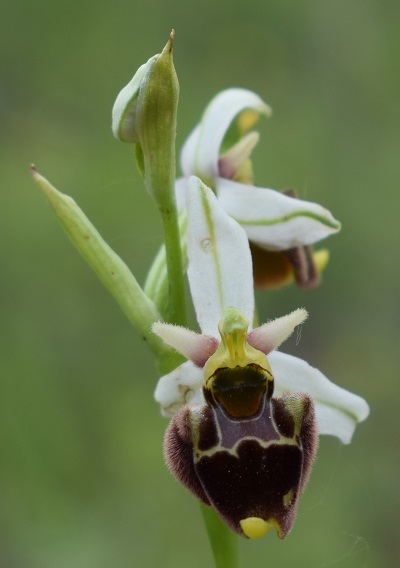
pixel 272 219
pixel 337 410
pixel 198 348
pixel 201 151
pixel 270 335
pixel 183 385
pixel 220 270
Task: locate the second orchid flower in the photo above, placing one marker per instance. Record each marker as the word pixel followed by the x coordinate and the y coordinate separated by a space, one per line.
pixel 280 227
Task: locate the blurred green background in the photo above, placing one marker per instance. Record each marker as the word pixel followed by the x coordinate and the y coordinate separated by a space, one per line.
pixel 82 479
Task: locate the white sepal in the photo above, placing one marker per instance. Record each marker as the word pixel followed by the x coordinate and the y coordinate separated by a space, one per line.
pixel 181 386
pixel 272 219
pixel 337 410
pixel 201 151
pixel 220 269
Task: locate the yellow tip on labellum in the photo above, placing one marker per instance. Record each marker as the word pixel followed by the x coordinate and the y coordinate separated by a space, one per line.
pixel 321 259
pixel 254 527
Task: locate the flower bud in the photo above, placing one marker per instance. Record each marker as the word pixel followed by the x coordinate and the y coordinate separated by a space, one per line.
pixel 124 110
pixel 145 113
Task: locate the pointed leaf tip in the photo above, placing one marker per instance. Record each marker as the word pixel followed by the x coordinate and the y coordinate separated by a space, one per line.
pixel 169 45
pixel 35 174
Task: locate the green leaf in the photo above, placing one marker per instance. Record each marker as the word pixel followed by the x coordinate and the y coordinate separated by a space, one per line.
pixel 109 267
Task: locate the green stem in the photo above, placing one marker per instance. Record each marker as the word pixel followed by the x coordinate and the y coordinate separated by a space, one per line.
pixel 156 286
pixel 176 291
pixel 224 543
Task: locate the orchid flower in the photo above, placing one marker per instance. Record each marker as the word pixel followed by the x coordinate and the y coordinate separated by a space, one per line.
pixel 218 151
pixel 218 395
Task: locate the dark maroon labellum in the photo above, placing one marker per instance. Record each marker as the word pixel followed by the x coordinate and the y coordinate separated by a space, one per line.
pixel 244 453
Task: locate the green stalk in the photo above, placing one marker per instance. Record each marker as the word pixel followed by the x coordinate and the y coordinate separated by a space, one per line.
pixel 176 295
pixel 224 543
pixel 157 284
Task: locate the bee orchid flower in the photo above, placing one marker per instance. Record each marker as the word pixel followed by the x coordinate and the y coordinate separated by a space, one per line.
pixel 245 417
pixel 218 151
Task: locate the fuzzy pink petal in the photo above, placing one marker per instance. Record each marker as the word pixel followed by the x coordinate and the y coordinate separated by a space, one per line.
pixel 270 335
pixel 198 348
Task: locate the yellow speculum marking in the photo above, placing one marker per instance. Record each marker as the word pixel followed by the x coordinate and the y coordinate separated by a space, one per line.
pixel 254 527
pixel 295 405
pixel 288 498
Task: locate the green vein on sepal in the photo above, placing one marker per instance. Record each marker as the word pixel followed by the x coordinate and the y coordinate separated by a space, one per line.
pixel 210 225
pixel 285 218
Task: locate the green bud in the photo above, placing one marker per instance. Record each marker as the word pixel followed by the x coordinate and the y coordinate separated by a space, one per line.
pixel 124 110
pixel 145 113
pixel 155 119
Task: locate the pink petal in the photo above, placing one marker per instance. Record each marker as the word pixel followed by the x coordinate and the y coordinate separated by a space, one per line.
pixel 198 348
pixel 269 336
